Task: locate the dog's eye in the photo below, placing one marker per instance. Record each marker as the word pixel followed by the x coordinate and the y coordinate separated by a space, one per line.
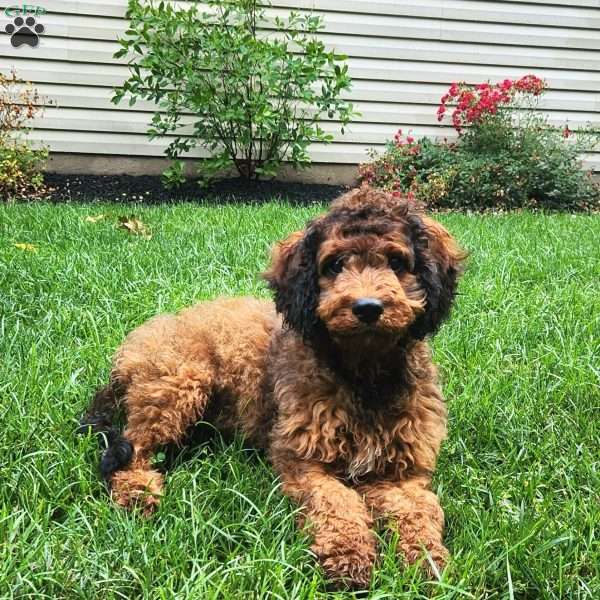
pixel 333 266
pixel 397 264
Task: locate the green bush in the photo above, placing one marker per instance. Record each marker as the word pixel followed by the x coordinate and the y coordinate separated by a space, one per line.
pixel 21 165
pixel 256 89
pixel 21 175
pixel 507 155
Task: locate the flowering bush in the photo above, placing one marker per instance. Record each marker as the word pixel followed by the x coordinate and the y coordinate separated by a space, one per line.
pixel 400 170
pixel 507 154
pixel 20 165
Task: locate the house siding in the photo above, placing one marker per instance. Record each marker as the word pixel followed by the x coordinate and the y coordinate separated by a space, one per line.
pixel 402 57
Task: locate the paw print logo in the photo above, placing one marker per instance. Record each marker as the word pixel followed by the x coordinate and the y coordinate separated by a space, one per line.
pixel 24 31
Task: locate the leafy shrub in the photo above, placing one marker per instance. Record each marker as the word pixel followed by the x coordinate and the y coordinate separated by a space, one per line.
pixel 507 154
pixel 21 165
pixel 256 97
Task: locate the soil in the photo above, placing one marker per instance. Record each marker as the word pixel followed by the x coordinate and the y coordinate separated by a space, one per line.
pixel 150 190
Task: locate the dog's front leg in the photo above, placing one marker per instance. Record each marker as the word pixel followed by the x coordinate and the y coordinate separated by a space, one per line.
pixel 338 519
pixel 415 512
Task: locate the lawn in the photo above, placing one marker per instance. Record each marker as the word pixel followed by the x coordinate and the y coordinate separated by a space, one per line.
pixel 518 477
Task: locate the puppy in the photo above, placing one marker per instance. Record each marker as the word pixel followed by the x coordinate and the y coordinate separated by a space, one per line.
pixel 334 379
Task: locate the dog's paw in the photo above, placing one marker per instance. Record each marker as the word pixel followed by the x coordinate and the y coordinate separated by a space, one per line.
pixel 347 560
pixel 432 555
pixel 348 571
pixel 137 488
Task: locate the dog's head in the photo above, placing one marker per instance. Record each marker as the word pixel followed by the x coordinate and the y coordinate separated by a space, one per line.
pixel 373 269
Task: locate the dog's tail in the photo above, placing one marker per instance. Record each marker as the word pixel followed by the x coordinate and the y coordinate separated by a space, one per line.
pixel 99 419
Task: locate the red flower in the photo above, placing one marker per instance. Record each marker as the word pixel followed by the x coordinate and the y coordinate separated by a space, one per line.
pixel 474 102
pixel 530 84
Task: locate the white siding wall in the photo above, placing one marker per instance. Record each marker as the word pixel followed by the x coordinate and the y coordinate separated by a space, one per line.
pixel 403 55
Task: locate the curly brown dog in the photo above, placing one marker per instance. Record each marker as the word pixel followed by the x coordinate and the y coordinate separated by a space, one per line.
pixel 334 380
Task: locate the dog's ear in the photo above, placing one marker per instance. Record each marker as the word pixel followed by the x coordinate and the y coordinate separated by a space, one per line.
pixel 294 278
pixel 281 253
pixel 438 265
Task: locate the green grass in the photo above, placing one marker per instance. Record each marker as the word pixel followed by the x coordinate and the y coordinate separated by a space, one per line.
pixel 518 476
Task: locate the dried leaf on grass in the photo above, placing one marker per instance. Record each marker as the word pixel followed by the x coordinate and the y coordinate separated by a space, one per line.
pixel 94 219
pixel 134 226
pixel 27 247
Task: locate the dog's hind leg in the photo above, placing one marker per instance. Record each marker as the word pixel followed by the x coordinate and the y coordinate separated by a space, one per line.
pixel 99 416
pixel 159 412
pixel 99 419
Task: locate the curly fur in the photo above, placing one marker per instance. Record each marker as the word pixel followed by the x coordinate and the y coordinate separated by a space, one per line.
pixel 349 412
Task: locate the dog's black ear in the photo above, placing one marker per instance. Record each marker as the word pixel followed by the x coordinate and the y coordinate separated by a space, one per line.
pixel 438 265
pixel 294 278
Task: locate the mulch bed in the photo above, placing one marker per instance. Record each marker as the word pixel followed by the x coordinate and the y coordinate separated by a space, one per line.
pixel 149 189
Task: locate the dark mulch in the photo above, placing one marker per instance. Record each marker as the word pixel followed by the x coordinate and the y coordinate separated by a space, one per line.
pixel 149 189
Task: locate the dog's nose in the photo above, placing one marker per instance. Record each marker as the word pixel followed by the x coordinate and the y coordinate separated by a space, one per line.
pixel 368 310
